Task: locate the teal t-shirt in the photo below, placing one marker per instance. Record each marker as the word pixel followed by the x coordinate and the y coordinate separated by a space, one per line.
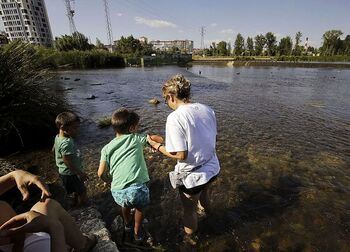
pixel 125 160
pixel 65 146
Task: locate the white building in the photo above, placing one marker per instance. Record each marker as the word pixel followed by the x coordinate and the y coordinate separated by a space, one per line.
pixel 26 20
pixel 166 45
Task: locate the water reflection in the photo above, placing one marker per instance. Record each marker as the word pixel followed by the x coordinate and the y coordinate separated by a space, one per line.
pixel 283 145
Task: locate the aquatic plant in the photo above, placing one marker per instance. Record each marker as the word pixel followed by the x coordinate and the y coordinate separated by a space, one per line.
pixel 104 122
pixel 27 107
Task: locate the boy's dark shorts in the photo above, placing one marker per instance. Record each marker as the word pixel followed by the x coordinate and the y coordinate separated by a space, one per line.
pixel 72 183
pixel 197 189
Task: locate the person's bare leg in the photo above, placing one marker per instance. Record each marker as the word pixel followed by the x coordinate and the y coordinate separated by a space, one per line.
pixel 82 199
pixel 73 235
pixel 126 215
pixel 138 220
pixel 189 203
pixel 204 200
pixel 7 213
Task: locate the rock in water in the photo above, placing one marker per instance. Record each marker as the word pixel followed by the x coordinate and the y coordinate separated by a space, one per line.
pixel 91 97
pixel 77 79
pixel 154 101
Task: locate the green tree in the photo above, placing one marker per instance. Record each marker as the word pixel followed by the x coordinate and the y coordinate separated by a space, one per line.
pixel 222 48
pixel 260 42
pixel 213 49
pixel 76 41
pixel 250 46
pixel 239 45
pixel 100 45
pixel 347 45
pixel 331 43
pixel 271 44
pixel 297 47
pixel 285 46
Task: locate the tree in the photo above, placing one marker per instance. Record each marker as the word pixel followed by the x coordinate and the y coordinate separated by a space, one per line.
pixel 132 47
pixel 100 45
pixel 297 47
pixel 285 46
pixel 271 44
pixel 250 46
pixel 331 44
pixel 347 45
pixel 76 41
pixel 239 45
pixel 260 42
pixel 222 48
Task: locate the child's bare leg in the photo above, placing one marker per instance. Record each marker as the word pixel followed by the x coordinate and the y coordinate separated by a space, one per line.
pixel 189 203
pixel 138 220
pixel 82 198
pixel 73 235
pixel 126 215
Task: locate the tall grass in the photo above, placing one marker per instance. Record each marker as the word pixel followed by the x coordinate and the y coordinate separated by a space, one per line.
pixel 79 59
pixel 27 107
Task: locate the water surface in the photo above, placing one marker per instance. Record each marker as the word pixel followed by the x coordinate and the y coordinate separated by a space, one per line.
pixel 283 144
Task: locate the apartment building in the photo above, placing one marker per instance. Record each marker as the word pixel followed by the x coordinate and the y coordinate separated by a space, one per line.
pixel 166 45
pixel 26 20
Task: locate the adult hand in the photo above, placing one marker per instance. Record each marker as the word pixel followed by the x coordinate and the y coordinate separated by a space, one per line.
pixel 29 222
pixel 153 143
pixel 24 179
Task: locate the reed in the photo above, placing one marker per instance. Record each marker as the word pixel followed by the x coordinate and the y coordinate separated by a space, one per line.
pixel 27 107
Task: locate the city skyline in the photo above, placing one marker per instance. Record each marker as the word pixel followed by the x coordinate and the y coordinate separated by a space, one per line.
pixel 168 20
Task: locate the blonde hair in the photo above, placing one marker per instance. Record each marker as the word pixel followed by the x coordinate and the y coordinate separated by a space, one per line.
pixel 179 86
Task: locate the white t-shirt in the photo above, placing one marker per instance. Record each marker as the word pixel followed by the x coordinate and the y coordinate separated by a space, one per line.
pixel 192 127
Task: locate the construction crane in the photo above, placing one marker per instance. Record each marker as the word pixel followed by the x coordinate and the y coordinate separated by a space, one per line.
pixel 70 14
pixel 108 25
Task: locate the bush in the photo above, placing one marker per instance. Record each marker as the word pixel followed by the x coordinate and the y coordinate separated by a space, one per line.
pixel 27 108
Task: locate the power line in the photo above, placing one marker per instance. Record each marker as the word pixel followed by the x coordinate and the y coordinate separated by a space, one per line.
pixel 108 24
pixel 70 14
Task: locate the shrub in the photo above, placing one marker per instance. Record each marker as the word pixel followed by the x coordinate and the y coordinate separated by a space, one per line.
pixel 27 107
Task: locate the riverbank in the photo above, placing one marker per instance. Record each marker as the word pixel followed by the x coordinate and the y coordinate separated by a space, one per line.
pixel 266 61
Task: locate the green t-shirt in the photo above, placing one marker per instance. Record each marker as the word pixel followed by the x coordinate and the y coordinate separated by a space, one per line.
pixel 125 160
pixel 65 146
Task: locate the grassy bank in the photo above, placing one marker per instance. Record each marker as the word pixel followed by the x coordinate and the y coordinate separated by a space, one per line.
pixel 336 58
pixel 75 59
pixel 27 108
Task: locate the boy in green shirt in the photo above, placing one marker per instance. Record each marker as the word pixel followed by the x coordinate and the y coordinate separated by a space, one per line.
pixel 123 159
pixel 68 158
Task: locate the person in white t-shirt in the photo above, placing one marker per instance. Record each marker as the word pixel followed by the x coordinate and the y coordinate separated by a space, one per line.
pixel 190 139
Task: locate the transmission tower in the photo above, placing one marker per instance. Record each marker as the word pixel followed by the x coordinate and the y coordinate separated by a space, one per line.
pixel 70 14
pixel 202 37
pixel 108 25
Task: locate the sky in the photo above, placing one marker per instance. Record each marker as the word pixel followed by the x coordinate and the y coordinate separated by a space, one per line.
pixel 221 19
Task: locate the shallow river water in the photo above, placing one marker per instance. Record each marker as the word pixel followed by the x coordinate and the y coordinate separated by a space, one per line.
pixel 283 145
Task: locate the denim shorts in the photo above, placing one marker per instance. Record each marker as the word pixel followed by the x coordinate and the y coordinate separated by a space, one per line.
pixel 136 195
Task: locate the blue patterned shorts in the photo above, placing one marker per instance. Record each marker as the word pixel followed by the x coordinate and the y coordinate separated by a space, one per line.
pixel 135 195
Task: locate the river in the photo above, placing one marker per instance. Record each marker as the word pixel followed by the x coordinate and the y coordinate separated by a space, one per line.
pixel 283 145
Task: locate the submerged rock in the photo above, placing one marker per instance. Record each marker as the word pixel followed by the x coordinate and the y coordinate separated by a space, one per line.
pixel 77 79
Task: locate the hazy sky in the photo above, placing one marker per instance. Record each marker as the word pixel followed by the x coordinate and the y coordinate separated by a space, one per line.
pixel 222 19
